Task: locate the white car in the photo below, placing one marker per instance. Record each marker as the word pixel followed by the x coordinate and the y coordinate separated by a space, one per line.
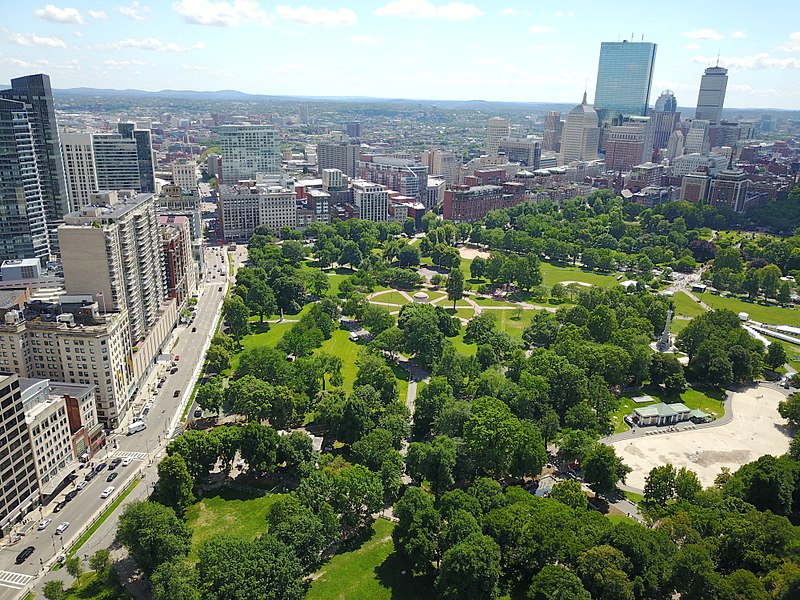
pixel 108 491
pixel 44 523
pixel 62 528
pixel 126 461
pixel 81 485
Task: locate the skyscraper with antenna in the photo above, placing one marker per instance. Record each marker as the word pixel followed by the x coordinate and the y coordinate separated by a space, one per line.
pixel 624 78
pixel 711 97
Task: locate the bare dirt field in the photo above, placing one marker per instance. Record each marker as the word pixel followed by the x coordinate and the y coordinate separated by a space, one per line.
pixel 756 429
pixel 470 253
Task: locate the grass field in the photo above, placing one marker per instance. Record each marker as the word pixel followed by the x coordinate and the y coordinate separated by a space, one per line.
pixel 765 314
pixel 685 306
pixel 506 321
pixel 89 587
pixel 491 302
pixel 341 346
pixel 393 297
pixel 553 274
pixel 232 511
pixel 371 572
pixel 461 346
pixel 706 399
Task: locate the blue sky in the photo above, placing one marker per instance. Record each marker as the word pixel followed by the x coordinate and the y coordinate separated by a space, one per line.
pixel 491 50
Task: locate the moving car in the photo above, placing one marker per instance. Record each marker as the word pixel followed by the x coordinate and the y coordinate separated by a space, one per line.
pixel 25 554
pixel 114 463
pixel 100 467
pixel 136 427
pixel 173 370
pixel 111 477
pixel 126 461
pixel 44 523
pixel 62 528
pixel 108 491
pixel 194 329
pixel 176 393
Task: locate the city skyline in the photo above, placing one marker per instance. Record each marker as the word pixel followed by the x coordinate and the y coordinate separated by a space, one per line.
pixel 508 51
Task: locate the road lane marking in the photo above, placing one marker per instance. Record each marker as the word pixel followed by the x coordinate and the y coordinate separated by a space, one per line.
pixel 131 455
pixel 16 581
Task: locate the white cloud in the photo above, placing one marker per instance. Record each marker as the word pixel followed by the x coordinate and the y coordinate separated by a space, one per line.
pixel 59 15
pixel 793 45
pixel 24 64
pixel 97 14
pixel 316 16
pixel 561 13
pixel 155 44
pixel 221 14
pixel 508 12
pixel 366 40
pixel 737 35
pixel 703 34
pixel 135 11
pixel 692 46
pixel 422 9
pixel 750 90
pixel 31 39
pixel 77 33
pixel 539 29
pixel 762 60
pixel 123 64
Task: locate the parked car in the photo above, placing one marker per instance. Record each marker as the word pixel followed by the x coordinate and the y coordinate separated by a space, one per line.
pixel 25 554
pixel 58 507
pixel 111 477
pixel 173 370
pixel 44 523
pixel 62 528
pixel 70 495
pixel 81 485
pixel 108 491
pixel 100 467
pixel 71 477
pixel 176 393
pixel 90 475
pixel 219 289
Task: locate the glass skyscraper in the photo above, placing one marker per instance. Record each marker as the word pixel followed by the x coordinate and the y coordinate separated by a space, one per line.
pixel 624 77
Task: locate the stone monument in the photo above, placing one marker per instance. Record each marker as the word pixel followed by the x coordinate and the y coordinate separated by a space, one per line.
pixel 664 343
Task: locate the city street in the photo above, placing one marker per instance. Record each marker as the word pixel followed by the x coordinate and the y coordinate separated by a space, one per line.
pixel 143 448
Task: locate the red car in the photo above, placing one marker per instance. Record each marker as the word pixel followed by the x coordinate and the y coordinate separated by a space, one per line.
pixel 177 357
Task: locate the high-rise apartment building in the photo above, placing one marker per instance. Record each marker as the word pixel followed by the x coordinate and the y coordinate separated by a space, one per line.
pixel 442 164
pixel 729 189
pixel 241 208
pixel 402 175
pixel 35 93
pixel 628 145
pixel 553 126
pixel 697 139
pixel 116 162
pixel 179 263
pixel 675 145
pixel 372 200
pixel 336 152
pixel 581 134
pixel 78 153
pixel 354 130
pixel 112 250
pixel 711 97
pixel 23 215
pixel 20 490
pixel 496 129
pixel 526 151
pixel 247 150
pixel 144 155
pixel 624 78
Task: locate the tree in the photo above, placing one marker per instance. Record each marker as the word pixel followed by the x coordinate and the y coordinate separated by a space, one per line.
pixel 376 318
pixel 237 316
pixel 175 483
pixel 409 227
pixel 687 485
pixel 175 580
pixel 776 355
pixel 74 566
pixel 295 449
pixel 317 282
pixel 217 359
pixel 296 525
pixel 470 570
pixel 693 574
pixel 250 397
pixel 100 563
pixel 556 582
pixel 293 251
pixel 570 492
pixel 789 409
pixel 418 526
pixel 603 570
pixel 290 293
pixel 389 340
pixel 199 449
pixel 373 371
pixel 351 255
pixel 357 493
pixel 260 299
pixel 372 449
pixel 659 485
pixel 152 534
pixel 259 445
pixel 455 286
pixel 784 293
pixel 434 462
pixel 210 396
pixel 603 468
pixel 408 256
pixel 54 590
pixel 770 279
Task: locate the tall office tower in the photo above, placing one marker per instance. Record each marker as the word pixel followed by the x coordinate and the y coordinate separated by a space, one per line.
pixel 78 154
pixel 697 139
pixel 442 164
pixel 553 126
pixel 624 77
pixel 214 166
pixel 34 91
pixel 526 151
pixel 354 130
pixel 303 113
pixel 144 154
pixel 337 152
pixel 675 145
pixel 116 162
pixel 496 129
pixel 23 218
pixel 247 150
pixel 665 118
pixel 372 200
pixel 112 250
pixel 581 134
pixel 711 97
pixel 20 490
pixel 629 144
pixel 184 175
pixel 729 189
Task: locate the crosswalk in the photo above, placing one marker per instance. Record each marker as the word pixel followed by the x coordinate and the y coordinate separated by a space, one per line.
pixel 16 581
pixel 131 455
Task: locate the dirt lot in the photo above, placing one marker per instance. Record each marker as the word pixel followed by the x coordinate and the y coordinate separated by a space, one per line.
pixel 756 429
pixel 470 253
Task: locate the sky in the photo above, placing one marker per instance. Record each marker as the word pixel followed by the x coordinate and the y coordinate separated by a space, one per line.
pixel 497 50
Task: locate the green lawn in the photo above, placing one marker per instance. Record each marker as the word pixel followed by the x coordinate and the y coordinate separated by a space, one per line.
pixel 232 511
pixel 685 306
pixel 89 587
pixel 776 315
pixel 341 346
pixel 491 302
pixel 553 274
pixel 393 297
pixel 507 322
pixel 706 399
pixel 371 572
pixel 335 280
pixel 678 325
pixel 461 346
